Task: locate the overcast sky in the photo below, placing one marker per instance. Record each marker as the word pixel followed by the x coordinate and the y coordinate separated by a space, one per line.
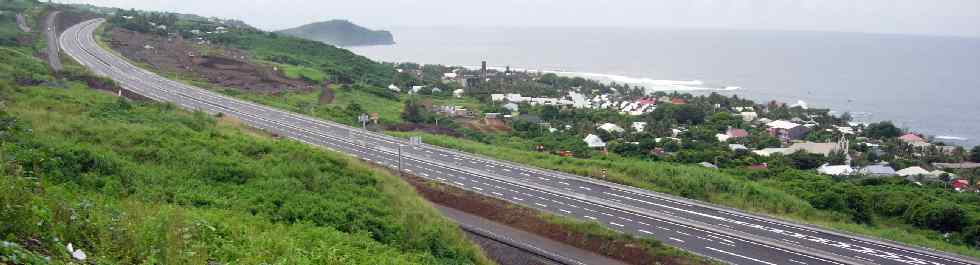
pixel 934 17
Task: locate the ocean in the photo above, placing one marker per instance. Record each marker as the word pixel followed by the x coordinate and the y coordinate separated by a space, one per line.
pixel 926 84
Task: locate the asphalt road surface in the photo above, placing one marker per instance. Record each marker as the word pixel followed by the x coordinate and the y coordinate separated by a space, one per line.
pixel 51 35
pixel 720 233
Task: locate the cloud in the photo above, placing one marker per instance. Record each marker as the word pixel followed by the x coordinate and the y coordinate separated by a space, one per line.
pixel 938 17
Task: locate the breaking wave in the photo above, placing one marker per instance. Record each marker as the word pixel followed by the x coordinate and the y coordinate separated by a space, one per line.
pixel 954 138
pixel 649 83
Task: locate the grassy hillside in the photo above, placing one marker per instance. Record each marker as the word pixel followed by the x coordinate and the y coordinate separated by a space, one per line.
pixel 341 33
pixel 131 182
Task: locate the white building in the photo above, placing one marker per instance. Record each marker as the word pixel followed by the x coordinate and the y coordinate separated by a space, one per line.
pixel 613 128
pixel 749 116
pixel 594 141
pixel 513 107
pixel 639 126
pixel 839 170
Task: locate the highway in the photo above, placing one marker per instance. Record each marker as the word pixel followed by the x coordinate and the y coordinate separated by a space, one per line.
pixel 51 36
pixel 724 234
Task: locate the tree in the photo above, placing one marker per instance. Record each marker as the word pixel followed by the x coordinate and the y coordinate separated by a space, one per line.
pixel 413 112
pixel 846 117
pixel 804 160
pixel 549 113
pixel 975 154
pixel 883 130
pixel 689 114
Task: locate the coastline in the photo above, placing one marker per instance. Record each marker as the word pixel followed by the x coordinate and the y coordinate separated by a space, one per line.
pixel 698 87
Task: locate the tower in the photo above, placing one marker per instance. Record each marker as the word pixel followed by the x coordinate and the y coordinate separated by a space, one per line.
pixel 483 71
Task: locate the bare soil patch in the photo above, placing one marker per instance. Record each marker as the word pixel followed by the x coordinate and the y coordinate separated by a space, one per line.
pixel 218 65
pixel 484 125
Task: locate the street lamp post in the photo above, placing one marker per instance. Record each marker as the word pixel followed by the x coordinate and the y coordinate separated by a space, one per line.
pixel 400 160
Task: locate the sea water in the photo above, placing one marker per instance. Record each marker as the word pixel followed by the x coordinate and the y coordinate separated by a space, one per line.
pixel 927 84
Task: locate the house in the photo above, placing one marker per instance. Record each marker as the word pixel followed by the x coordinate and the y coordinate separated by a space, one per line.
pixel 914 140
pixel 497 97
pixel 964 165
pixel 911 137
pixel 416 89
pixel 770 151
pixel 817 148
pixel 948 150
pixel 612 128
pixel 737 147
pixel 838 170
pixel 877 171
pixel 735 133
pixel 458 93
pixel 436 90
pixel 678 101
pixel 845 130
pixel 646 101
pixel 513 107
pixel 759 166
pixel 786 131
pixel 913 171
pixel 960 185
pixel 639 126
pixel 810 147
pixel 593 141
pixel 449 76
pixel 395 88
pixel 748 116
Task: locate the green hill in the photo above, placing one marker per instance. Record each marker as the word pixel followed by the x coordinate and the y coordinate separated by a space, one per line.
pixel 147 183
pixel 341 33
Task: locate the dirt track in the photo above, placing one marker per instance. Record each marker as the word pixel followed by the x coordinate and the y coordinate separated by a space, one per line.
pixel 22 23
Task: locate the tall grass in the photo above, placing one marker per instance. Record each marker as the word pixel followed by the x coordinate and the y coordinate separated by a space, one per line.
pixel 132 182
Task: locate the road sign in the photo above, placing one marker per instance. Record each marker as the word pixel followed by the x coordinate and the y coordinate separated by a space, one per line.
pixel 363 119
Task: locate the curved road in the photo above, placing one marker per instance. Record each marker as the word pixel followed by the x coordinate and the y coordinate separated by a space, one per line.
pixel 724 234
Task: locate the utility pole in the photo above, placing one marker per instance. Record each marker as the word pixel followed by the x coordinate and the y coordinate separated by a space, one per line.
pixel 400 159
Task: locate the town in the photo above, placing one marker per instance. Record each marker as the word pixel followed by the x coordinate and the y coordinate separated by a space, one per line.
pixel 583 118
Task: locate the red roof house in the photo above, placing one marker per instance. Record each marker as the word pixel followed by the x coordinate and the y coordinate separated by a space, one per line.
pixel 736 133
pixel 911 137
pixel 646 101
pixel 678 101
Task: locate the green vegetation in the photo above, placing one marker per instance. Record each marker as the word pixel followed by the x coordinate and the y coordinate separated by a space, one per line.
pixel 340 33
pixel 9 32
pixel 306 73
pixel 134 183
